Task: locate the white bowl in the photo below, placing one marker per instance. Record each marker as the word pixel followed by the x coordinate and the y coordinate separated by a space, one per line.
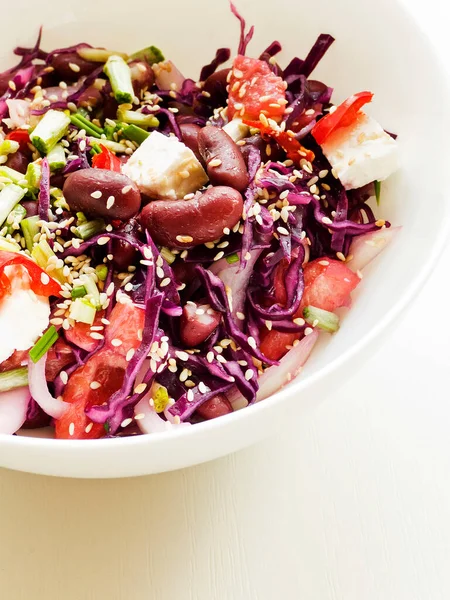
pixel 378 47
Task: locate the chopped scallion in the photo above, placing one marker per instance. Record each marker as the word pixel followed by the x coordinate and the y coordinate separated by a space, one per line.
pixel 10 195
pixel 88 229
pixel 30 228
pixel 323 319
pixel 137 118
pixel 135 133
pixel 152 55
pixel 119 75
pixel 167 255
pixel 14 219
pixel 102 272
pixel 233 258
pixel 50 129
pixel 99 55
pixel 82 123
pixel 82 311
pixel 377 185
pixel 16 378
pixel 78 292
pixel 57 158
pixel 9 147
pixel 44 343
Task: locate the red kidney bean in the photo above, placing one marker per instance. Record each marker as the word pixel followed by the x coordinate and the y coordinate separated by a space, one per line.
pixel 142 76
pixel 216 87
pixel 189 133
pixel 197 323
pixel 79 187
pixel 215 407
pixel 90 97
pixel 71 66
pixel 124 254
pixel 110 106
pixel 187 223
pixel 224 162
pixel 18 161
pixel 31 207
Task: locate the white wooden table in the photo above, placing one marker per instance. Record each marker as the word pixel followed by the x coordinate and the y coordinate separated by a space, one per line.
pixel 352 503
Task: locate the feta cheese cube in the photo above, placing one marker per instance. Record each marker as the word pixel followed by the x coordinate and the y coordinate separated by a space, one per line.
pixel 23 318
pixel 164 167
pixel 361 153
pixel 236 129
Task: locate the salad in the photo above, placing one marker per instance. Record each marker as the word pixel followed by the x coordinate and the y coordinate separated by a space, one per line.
pixel 171 248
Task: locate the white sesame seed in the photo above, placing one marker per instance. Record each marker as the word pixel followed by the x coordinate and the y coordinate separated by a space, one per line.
pixel 126 422
pixel 299 321
pixel 226 231
pixel 327 221
pixel 216 162
pixel 252 342
pixel 139 416
pixel 96 336
pixel 75 68
pixel 340 256
pixel 324 263
pixel 110 289
pixel 71 429
pixel 110 202
pixel 116 342
pixel 248 374
pixel 139 334
pixel 184 375
pixel 89 427
pixel 94 385
pixel 202 388
pixel 308 331
pixel 126 189
pixel 64 377
pixel 240 316
pixel 360 275
pixel 160 272
pixel 182 355
pixel 282 231
pixel 184 239
pixel 165 282
pixel 140 388
pixel 219 255
pixel 210 357
pixel 103 240
pixel 45 279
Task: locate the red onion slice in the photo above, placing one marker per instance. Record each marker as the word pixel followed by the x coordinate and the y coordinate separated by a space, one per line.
pixel 39 390
pixel 13 409
pixel 278 376
pixel 149 421
pixel 365 248
pixel 167 76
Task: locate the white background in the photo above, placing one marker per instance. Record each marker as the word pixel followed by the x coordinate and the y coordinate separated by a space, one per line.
pixel 351 503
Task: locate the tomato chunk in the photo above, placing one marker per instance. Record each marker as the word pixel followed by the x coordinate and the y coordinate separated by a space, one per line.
pixel 328 284
pixel 80 334
pixel 102 375
pixel 343 116
pixel 254 88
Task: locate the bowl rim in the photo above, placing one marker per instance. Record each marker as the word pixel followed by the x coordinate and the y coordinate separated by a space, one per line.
pixel 299 385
